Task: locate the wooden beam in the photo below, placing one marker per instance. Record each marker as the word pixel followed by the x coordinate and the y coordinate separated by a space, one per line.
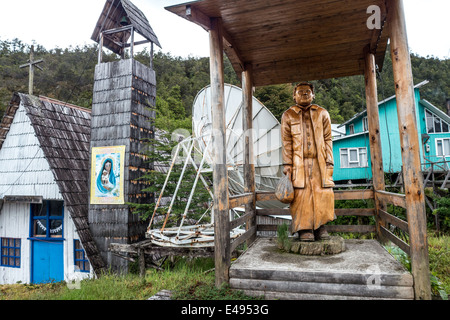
pixel 240 200
pixel 222 251
pixel 338 195
pixel 376 153
pixel 396 240
pixel 198 17
pixel 243 237
pixel 353 194
pixel 396 199
pixel 399 223
pixel 249 166
pixel 361 212
pixel 410 145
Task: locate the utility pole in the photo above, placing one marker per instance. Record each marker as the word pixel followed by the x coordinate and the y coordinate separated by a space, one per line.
pixel 31 64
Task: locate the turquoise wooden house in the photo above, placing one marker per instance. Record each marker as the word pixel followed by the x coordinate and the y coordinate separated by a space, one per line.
pixel 352 151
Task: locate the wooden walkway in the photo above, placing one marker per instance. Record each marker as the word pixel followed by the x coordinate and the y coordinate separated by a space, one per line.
pixel 364 271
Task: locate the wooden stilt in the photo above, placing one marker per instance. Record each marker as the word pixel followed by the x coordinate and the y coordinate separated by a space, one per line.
pixel 249 166
pixel 222 252
pixel 409 140
pixel 374 136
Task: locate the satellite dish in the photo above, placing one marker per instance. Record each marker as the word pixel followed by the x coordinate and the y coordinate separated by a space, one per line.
pixel 267 148
pixel 266 158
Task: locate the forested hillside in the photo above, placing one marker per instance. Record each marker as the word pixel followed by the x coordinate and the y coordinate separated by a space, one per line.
pixel 68 76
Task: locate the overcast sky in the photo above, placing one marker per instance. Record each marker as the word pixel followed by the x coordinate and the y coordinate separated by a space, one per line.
pixel 62 23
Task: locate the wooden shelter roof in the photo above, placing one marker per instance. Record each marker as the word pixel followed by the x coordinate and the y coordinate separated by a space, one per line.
pixel 293 40
pixel 112 14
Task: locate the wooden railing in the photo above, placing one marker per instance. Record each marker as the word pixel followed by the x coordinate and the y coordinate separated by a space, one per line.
pixel 384 218
pixel 338 195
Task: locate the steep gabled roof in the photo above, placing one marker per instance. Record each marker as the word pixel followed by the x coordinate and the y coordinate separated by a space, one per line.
pixel 112 14
pixel 63 131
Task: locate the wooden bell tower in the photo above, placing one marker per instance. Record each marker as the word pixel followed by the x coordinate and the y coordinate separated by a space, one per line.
pixel 122 114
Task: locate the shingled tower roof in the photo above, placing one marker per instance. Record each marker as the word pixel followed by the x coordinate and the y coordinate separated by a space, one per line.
pixel 110 18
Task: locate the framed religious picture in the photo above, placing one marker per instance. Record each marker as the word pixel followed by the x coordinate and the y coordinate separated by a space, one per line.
pixel 107 175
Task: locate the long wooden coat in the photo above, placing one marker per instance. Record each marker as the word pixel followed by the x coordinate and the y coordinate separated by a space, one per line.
pixel 292 138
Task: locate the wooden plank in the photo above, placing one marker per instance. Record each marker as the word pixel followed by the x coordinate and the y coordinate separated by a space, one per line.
pixel 396 240
pixel 241 220
pixel 243 237
pixel 329 228
pixel 362 212
pixel 353 194
pixel 240 200
pixel 403 225
pixel 272 211
pixel 266 196
pixel 410 149
pixel 338 195
pixel 247 126
pixel 396 199
pixel 387 278
pixel 322 288
pixel 376 153
pixel 222 252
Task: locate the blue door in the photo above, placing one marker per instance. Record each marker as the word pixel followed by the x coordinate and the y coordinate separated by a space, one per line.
pixel 46 235
pixel 47 264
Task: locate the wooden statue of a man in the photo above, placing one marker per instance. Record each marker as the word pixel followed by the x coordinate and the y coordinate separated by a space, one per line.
pixel 308 156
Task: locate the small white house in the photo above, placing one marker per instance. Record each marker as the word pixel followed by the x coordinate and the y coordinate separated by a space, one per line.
pixel 44 164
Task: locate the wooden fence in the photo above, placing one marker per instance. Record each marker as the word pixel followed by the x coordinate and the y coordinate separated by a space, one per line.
pixel 383 218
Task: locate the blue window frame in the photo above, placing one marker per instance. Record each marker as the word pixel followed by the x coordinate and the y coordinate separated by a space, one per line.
pixel 10 252
pixel 47 220
pixel 80 258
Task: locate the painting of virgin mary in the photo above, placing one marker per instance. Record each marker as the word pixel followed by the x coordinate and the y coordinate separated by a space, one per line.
pixel 107 175
pixel 106 179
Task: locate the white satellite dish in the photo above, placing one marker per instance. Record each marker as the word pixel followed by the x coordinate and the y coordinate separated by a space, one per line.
pixel 266 139
pixel 266 158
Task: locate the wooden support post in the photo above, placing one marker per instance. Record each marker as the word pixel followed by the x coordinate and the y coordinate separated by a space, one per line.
pixel 141 260
pixel 410 144
pixel 222 243
pixel 374 136
pixel 249 166
pixel 100 49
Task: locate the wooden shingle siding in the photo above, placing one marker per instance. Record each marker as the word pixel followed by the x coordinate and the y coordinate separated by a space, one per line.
pixel 122 113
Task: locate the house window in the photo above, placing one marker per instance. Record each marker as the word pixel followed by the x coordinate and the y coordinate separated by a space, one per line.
pixel 10 252
pixel 443 147
pixel 351 129
pixel 80 258
pixel 365 124
pixel 435 124
pixel 353 157
pixel 47 219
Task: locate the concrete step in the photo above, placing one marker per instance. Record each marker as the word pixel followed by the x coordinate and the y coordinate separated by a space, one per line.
pixel 365 270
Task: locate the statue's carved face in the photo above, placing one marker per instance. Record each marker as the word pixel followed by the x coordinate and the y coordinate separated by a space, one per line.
pixel 303 95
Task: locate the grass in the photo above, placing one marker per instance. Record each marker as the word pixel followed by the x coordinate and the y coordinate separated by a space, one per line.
pixel 439 259
pixel 187 279
pixel 194 280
